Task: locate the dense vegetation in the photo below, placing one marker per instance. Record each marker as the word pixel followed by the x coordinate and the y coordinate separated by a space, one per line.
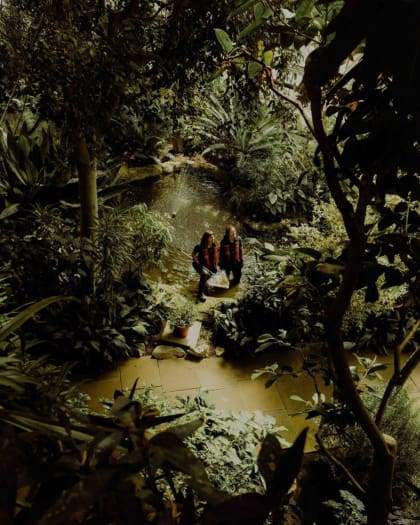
pixel 312 111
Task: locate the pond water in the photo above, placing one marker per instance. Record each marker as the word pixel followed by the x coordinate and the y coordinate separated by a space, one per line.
pixel 193 203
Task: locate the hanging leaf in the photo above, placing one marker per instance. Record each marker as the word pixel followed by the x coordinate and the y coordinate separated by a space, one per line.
pixel 281 466
pixel 251 27
pixel 267 13
pixel 297 398
pixel 242 8
pixel 10 210
pixel 268 57
pixel 216 74
pixel 304 9
pixel 329 269
pixel 258 11
pixel 224 40
pixel 272 197
pixel 24 145
pixel 268 458
pixel 254 69
pixel 308 251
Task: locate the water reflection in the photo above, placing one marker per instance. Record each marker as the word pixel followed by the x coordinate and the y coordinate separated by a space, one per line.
pixel 193 203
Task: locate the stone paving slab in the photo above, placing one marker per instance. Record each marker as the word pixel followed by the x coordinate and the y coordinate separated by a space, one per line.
pixel 228 385
pixel 188 342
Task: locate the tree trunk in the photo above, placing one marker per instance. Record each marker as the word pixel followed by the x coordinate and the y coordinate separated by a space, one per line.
pixel 379 502
pixel 380 486
pixel 87 190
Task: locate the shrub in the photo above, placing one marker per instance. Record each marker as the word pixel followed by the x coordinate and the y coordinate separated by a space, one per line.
pixel 276 303
pixel 401 421
pixel 47 257
pixel 373 324
pixel 266 159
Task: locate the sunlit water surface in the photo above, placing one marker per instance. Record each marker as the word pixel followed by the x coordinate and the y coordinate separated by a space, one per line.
pixel 193 203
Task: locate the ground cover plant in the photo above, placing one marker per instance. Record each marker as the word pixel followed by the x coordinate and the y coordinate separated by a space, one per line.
pixel 62 464
pixel 116 315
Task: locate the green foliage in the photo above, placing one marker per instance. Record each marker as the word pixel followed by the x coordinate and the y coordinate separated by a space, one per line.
pixel 30 384
pixel 129 240
pixel 400 421
pixel 47 257
pixel 228 127
pixel 349 510
pixel 226 442
pixel 285 305
pixel 373 324
pixel 33 161
pixel 44 252
pixel 126 462
pixel 181 312
pixel 265 158
pixel 138 134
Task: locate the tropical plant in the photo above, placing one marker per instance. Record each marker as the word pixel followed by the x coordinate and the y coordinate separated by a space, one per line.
pixel 236 132
pixel 121 452
pixel 31 384
pixel 267 160
pixel 181 312
pixel 32 161
pixel 139 133
pixel 129 240
pixel 282 306
pixel 116 317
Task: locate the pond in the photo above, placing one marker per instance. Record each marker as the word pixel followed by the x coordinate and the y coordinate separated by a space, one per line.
pixel 193 204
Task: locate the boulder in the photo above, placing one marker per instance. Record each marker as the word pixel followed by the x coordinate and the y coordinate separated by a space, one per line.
pixel 168 352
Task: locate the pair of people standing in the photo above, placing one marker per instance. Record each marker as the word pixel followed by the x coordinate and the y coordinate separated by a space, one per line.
pixel 208 255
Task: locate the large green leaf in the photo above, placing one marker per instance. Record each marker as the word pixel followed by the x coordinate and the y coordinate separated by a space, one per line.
pixel 224 40
pixel 254 69
pixel 16 322
pixel 249 28
pixel 280 467
pixel 304 9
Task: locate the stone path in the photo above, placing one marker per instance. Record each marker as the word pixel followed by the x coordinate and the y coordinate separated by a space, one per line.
pixel 229 385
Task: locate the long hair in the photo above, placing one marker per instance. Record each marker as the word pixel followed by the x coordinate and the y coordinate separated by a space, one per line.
pixel 228 230
pixel 206 235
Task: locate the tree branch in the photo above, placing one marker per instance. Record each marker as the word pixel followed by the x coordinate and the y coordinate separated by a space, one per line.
pixel 400 376
pixel 361 491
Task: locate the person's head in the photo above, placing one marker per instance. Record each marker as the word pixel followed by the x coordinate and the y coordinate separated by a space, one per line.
pixel 208 239
pixel 231 232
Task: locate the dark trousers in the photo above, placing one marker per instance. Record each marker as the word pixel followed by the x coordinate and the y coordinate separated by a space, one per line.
pixel 203 278
pixel 236 270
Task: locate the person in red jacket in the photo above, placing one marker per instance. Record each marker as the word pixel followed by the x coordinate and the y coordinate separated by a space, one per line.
pixel 205 260
pixel 231 254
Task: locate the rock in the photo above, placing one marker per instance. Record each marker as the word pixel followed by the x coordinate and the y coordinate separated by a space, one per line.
pixel 200 352
pixel 220 351
pixel 168 352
